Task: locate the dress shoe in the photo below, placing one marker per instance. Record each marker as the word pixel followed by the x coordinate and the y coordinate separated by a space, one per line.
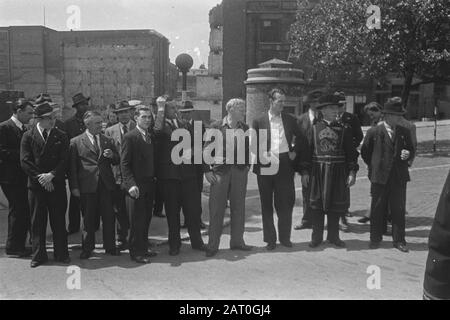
pixel 65 260
pixel 70 232
pixel 174 252
pixel 315 244
pixel 20 253
pixel 401 246
pixel 141 259
pixel 211 253
pixel 364 220
pixel 287 244
pixel 202 225
pixel 374 245
pixel 85 255
pixel 122 246
pixel 151 254
pixel 338 243
pixel 271 246
pixel 113 252
pixel 200 248
pixel 159 214
pixel 303 225
pixel 243 247
pixel 35 263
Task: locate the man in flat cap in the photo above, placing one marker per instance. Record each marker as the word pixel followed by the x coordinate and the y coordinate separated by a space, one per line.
pixel 117 132
pixel 74 127
pixel 305 122
pixel 44 156
pixel 386 150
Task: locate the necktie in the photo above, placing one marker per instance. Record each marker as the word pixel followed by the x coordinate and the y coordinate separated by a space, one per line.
pixel 45 134
pixel 96 146
pixel 24 129
pixel 125 130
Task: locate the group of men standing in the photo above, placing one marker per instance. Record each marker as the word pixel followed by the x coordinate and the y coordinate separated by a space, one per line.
pixel 116 177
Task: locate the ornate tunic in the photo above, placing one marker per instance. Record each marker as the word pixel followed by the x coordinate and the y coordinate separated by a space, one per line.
pixel 334 156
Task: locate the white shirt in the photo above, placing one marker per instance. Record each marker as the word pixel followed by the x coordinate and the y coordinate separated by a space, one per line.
pixel 125 125
pixel 389 129
pixel 41 130
pixel 143 132
pixel 312 115
pixel 278 142
pixel 91 138
pixel 17 122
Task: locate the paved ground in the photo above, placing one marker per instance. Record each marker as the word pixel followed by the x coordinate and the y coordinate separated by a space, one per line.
pixel 297 273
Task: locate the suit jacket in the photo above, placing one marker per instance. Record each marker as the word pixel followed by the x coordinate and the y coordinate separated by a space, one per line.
pixel 190 127
pixel 74 127
pixel 382 155
pixel 223 126
pixel 166 169
pixel 295 139
pixel 10 170
pixel 137 159
pixel 115 133
pixel 351 121
pixel 87 167
pixel 305 125
pixel 38 156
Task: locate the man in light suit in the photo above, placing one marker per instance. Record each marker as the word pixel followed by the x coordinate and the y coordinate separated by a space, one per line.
pixel 116 132
pixel 138 178
pixel 44 154
pixel 92 180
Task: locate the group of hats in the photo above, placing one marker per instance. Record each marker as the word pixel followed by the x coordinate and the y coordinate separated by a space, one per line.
pixel 44 106
pixel 392 106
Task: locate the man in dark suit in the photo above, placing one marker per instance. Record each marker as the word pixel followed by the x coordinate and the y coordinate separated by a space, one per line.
pixel 45 97
pixel 305 123
pixel 44 154
pixel 386 150
pixel 116 132
pixel 92 180
pixel 138 172
pixel 352 123
pixel 74 126
pixel 179 181
pixel 277 187
pixel 12 178
pixel 159 197
pixel 186 115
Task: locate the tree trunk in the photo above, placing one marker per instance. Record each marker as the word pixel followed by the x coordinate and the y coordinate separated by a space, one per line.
pixel 408 74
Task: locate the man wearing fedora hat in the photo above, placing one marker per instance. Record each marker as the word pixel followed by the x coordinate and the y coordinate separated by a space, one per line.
pixel 334 164
pixel 45 97
pixel 386 150
pixel 116 132
pixel 13 179
pixel 44 155
pixel 186 114
pixel 179 181
pixel 75 126
pixel 305 122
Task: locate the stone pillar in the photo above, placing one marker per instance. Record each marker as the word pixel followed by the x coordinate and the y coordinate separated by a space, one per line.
pixel 273 74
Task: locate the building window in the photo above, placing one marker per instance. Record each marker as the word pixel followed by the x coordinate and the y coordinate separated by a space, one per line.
pixel 270 31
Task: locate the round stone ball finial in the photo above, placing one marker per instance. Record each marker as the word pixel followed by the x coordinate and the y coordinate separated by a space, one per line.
pixel 184 62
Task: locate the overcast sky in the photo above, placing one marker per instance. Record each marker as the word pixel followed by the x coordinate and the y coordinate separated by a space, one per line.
pixel 184 22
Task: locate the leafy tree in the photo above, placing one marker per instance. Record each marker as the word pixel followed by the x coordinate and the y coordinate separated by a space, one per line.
pixel 413 40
